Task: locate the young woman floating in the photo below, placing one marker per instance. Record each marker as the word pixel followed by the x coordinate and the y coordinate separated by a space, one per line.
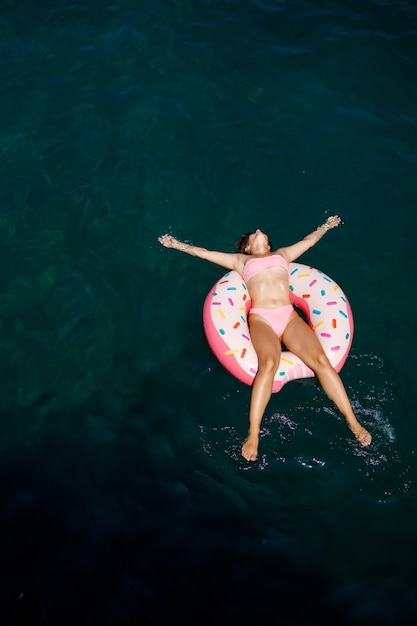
pixel 272 320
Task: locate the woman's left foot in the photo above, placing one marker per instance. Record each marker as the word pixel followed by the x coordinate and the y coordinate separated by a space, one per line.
pixel 363 436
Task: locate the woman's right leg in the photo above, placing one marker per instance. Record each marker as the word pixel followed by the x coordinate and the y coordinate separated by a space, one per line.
pixel 268 349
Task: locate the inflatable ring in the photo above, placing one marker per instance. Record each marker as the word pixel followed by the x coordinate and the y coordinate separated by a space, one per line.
pixel 323 302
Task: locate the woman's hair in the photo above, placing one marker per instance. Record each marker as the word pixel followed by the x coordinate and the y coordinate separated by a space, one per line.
pixel 241 243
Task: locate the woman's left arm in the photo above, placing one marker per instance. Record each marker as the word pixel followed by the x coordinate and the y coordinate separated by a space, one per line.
pixel 291 253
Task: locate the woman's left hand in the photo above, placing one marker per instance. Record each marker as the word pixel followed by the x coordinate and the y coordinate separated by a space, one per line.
pixel 333 221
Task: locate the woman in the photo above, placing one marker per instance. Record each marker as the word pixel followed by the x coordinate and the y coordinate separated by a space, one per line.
pixel 272 320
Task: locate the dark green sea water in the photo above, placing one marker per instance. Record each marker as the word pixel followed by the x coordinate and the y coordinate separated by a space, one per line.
pixel 124 495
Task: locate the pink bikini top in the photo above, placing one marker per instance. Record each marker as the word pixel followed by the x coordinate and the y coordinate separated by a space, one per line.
pixel 253 266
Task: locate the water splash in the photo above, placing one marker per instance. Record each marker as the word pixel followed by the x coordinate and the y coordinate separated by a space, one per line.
pixel 312 435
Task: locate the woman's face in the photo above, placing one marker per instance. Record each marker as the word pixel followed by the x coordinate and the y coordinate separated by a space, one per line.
pixel 258 240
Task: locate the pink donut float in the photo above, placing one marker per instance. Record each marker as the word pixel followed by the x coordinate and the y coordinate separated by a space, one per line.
pixel 323 302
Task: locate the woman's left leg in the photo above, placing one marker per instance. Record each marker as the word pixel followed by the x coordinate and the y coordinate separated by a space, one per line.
pixel 301 340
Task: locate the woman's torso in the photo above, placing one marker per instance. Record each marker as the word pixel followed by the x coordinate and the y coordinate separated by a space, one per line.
pixel 267 279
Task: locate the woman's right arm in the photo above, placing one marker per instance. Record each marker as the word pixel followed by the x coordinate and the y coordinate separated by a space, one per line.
pixel 231 261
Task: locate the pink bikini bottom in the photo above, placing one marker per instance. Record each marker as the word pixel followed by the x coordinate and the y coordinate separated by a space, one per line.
pixel 277 318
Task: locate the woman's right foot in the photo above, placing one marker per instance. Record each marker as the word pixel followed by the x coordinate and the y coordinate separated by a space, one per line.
pixel 250 448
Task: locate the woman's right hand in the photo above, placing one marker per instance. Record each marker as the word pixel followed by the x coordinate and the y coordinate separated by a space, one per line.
pixel 168 241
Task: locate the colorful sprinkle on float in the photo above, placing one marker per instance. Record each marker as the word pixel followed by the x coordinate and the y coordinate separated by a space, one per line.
pixel 322 301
